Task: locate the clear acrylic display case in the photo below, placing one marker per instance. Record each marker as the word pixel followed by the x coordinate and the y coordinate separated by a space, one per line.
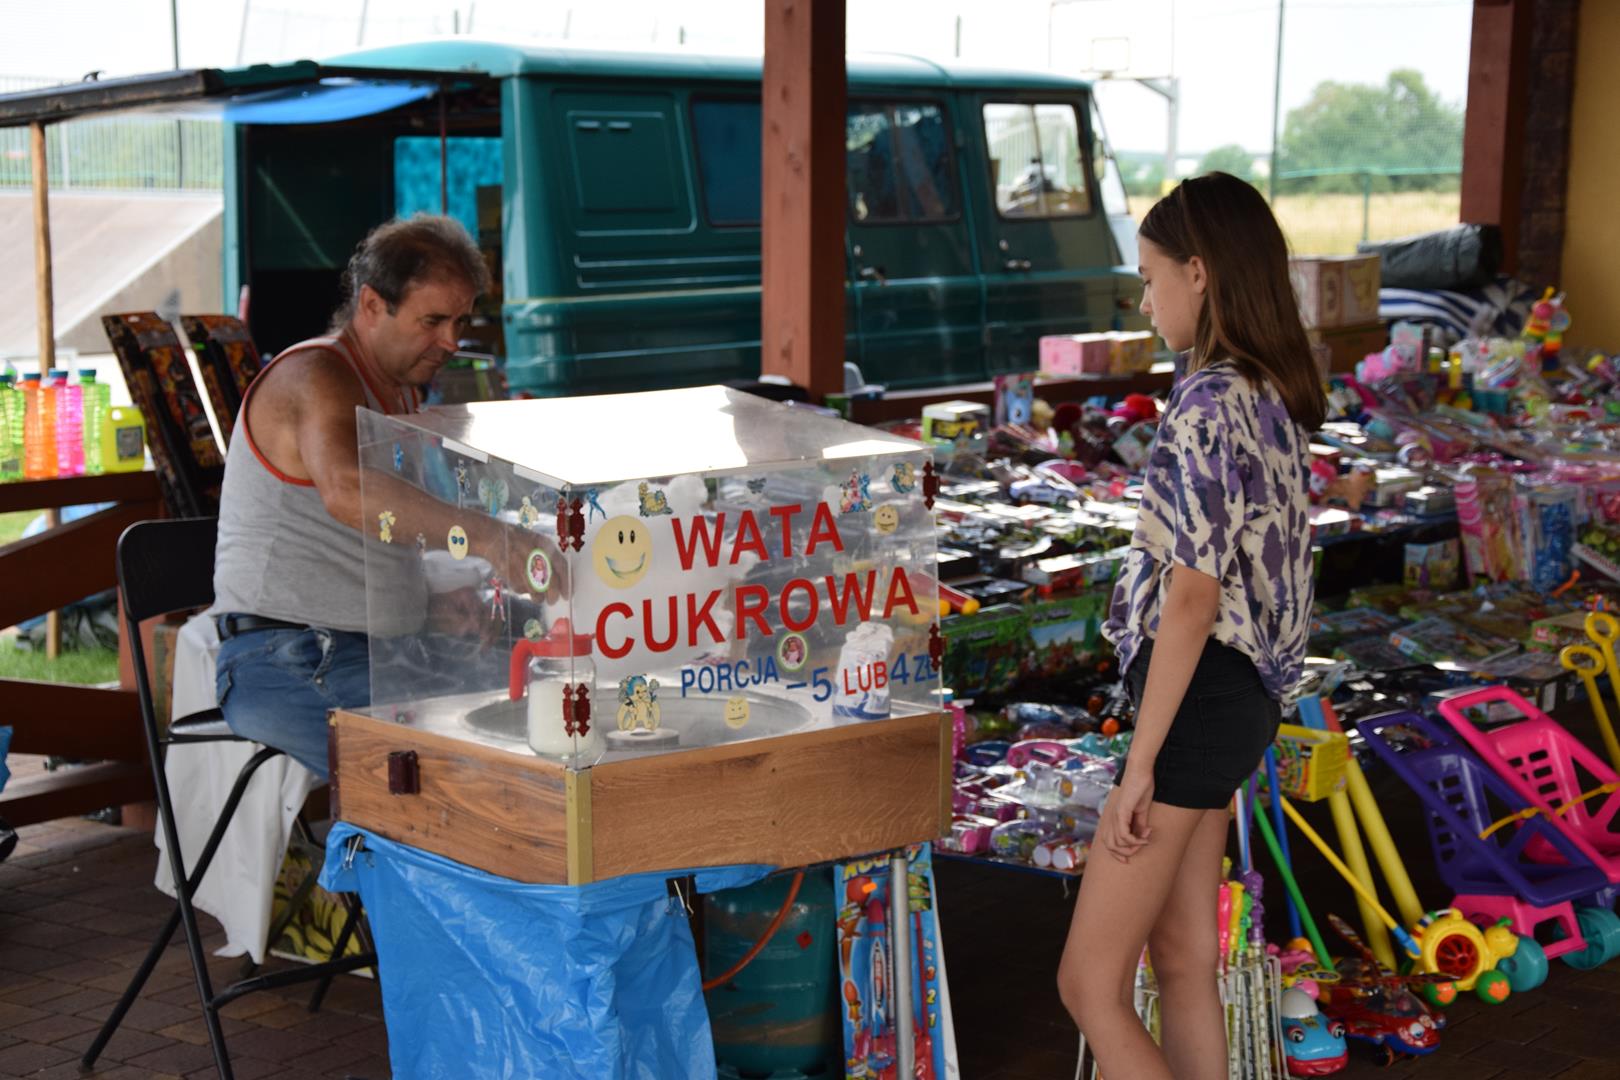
pixel 610 580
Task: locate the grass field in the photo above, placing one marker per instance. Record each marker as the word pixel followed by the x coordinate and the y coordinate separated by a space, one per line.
pixel 83 666
pixel 1331 224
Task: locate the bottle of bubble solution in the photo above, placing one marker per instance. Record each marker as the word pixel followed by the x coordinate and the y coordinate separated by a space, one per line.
pixel 97 401
pixel 69 425
pixel 11 428
pixel 39 429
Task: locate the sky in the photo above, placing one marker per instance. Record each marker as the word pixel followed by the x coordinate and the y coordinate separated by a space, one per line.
pixel 1223 52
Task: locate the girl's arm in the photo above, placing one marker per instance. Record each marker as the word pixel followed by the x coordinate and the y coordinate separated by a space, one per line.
pixel 1185 620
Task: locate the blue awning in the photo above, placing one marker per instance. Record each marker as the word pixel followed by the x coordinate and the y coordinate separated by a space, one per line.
pixel 325 102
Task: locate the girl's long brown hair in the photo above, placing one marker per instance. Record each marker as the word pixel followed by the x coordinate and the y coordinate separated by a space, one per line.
pixel 1250 313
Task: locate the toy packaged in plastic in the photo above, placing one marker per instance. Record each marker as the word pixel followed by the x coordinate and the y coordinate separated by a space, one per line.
pixel 1432 640
pixel 868 944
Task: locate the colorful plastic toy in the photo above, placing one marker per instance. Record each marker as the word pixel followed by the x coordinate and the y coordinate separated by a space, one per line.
pixel 1604 630
pixel 1550 769
pixel 1467 808
pixel 1377 1007
pixel 1313 1045
pixel 1451 945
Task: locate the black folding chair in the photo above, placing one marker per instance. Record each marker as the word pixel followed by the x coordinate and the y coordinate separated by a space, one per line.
pixel 163 567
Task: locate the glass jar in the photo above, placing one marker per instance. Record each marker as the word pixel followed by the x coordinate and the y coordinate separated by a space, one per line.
pixel 558 676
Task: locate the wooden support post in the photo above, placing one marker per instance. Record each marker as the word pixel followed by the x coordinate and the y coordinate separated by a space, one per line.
pixel 42 250
pixel 803 268
pixel 53 617
pixel 1494 124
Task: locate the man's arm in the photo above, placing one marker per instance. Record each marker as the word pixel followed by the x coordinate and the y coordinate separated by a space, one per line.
pixel 322 422
pixel 329 450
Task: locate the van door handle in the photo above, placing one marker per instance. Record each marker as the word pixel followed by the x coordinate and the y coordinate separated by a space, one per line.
pixel 1017 264
pixel 873 273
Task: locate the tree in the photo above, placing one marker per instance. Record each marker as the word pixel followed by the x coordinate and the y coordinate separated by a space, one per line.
pixel 1142 173
pixel 1355 126
pixel 1230 158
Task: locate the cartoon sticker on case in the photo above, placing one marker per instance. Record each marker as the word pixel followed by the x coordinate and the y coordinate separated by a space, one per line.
pixel 399 458
pixel 904 478
pixel 528 513
pixel 457 542
pixel 886 519
pixel 463 484
pixel 385 526
pixel 856 494
pixel 792 651
pixel 653 502
pixel 532 630
pixel 538 570
pixel 593 507
pixel 621 552
pixel 638 704
pixel 736 712
pixel 492 493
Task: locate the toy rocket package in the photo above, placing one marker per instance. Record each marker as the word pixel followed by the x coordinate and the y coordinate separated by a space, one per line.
pixel 867 975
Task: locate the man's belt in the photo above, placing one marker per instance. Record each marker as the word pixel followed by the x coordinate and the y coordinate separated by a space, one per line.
pixel 234 625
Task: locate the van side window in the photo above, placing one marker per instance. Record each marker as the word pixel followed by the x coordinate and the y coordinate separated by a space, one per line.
pixel 726 131
pixel 899 163
pixel 1036 160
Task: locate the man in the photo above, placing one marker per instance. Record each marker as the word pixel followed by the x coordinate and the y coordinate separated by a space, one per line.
pixel 289 579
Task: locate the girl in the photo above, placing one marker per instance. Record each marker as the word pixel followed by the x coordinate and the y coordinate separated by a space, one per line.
pixel 1209 618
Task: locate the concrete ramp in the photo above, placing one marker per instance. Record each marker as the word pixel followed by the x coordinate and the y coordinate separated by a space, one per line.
pixel 112 252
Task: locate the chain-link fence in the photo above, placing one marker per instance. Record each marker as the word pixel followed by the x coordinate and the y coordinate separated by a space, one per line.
pixel 121 152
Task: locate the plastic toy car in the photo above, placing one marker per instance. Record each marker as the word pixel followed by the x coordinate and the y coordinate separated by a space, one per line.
pixel 1313 1045
pixel 1375 1006
pixel 1380 1012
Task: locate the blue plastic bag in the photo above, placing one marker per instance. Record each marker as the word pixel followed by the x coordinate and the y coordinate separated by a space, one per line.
pixel 487 977
pixel 5 747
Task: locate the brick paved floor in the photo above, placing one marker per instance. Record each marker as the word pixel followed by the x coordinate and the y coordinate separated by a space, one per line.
pixel 77 912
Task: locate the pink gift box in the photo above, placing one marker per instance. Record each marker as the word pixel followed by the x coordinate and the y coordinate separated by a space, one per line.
pixel 1076 354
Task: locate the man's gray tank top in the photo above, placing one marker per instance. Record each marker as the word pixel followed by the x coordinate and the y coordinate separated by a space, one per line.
pixel 282 556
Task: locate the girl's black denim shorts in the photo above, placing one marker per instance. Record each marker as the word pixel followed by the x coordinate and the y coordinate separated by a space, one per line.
pixel 1220 733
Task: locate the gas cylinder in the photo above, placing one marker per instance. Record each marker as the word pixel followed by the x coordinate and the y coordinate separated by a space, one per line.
pixel 779 1017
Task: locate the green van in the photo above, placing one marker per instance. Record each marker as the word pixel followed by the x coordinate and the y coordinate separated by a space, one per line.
pixel 618 197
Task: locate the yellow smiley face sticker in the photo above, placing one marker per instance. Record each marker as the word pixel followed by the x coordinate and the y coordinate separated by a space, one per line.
pixel 457 542
pixel 621 552
pixel 736 712
pixel 886 519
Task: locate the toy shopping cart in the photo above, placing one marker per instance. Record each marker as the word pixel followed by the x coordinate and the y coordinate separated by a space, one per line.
pixel 1479 829
pixel 1574 790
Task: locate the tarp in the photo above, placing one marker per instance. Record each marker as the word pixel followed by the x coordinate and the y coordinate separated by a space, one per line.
pixel 487 977
pixel 324 102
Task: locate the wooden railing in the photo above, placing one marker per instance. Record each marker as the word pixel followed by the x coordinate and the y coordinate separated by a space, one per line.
pixel 38 575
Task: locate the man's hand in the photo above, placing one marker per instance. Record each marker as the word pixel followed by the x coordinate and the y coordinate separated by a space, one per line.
pixel 1123 829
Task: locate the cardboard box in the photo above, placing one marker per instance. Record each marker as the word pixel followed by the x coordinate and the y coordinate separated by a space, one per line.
pixel 1076 354
pixel 1131 351
pixel 1348 346
pixel 1336 290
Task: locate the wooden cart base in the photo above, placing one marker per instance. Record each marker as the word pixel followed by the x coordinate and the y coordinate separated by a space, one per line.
pixel 786 801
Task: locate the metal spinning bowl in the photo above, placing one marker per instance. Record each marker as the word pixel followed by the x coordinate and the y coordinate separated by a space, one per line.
pixel 699 720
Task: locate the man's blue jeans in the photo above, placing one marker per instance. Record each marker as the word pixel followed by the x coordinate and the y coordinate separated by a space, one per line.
pixel 276 686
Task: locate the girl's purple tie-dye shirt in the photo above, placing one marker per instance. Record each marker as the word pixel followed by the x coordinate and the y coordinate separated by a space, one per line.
pixel 1225 492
